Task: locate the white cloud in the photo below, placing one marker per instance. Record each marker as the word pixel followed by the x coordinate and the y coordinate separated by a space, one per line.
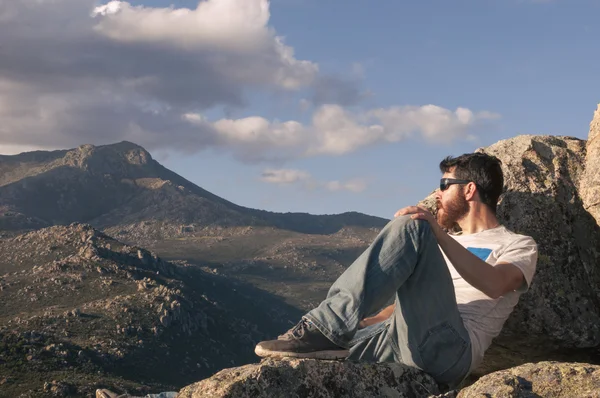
pixel 356 185
pixel 335 131
pixel 434 123
pixel 303 178
pixel 284 176
pixel 90 73
pixel 235 30
pixel 73 71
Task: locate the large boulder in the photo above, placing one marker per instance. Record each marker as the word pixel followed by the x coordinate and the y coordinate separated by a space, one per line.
pixel 544 379
pixel 590 183
pixel 313 378
pixel 541 199
pixel 542 176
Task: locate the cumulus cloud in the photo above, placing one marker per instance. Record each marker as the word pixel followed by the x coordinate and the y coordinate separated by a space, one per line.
pixel 304 179
pixel 66 65
pixel 356 185
pixel 284 176
pixel 75 71
pixel 335 131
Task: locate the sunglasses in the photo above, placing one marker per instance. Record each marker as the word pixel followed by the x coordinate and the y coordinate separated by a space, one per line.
pixel 446 182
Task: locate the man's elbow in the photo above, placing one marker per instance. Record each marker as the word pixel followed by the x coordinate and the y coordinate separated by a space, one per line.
pixel 508 279
pixel 500 290
pixel 495 293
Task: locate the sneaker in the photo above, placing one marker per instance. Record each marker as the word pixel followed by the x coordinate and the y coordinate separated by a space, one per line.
pixel 302 341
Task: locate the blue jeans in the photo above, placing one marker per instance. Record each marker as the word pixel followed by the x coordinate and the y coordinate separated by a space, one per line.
pixel 425 331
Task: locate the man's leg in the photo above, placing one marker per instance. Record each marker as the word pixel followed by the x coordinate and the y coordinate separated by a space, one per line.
pixel 426 330
pixel 399 262
pixel 362 289
pixel 373 344
pixel 374 277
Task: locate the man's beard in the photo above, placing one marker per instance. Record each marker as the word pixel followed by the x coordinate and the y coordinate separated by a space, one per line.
pixel 449 215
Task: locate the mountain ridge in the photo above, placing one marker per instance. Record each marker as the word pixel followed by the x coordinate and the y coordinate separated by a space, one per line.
pixel 121 184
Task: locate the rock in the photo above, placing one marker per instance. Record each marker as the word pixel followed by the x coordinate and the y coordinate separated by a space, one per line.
pixel 165 320
pixel 590 183
pixel 544 379
pixel 143 257
pixel 542 176
pixel 75 313
pixel 58 389
pixel 313 378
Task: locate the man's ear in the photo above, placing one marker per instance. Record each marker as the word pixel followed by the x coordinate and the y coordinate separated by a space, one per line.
pixel 471 189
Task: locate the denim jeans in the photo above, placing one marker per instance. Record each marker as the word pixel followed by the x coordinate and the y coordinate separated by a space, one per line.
pixel 426 331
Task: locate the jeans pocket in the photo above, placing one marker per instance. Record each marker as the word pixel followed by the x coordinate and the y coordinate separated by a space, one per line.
pixel 442 349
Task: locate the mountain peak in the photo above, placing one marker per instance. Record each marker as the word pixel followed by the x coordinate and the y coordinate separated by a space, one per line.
pixel 107 157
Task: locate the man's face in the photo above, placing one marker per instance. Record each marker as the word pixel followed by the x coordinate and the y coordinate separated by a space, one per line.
pixel 451 203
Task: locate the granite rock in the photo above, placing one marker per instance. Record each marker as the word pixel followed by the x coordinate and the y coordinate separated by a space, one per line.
pixel 590 183
pixel 544 379
pixel 313 378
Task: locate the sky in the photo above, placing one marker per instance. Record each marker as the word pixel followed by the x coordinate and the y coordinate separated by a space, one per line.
pixel 310 106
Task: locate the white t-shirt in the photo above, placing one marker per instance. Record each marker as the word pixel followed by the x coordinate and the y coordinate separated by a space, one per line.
pixel 484 316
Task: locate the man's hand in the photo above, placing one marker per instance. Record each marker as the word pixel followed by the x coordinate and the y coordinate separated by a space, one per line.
pixel 417 212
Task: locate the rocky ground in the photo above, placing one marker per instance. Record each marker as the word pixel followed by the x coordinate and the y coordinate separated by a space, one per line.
pixel 80 310
pixel 297 267
pixel 329 379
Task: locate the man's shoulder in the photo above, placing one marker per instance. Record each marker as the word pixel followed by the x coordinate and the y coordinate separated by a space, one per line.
pixel 513 237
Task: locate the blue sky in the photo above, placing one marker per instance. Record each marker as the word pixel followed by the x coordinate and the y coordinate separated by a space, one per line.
pixel 520 67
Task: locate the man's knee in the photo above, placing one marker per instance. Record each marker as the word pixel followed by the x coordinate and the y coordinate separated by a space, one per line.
pixel 401 223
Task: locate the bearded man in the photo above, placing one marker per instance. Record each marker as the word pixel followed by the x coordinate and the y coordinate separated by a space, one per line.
pixel 452 292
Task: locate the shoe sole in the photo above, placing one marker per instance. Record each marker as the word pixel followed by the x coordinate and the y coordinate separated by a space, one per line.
pixel 328 354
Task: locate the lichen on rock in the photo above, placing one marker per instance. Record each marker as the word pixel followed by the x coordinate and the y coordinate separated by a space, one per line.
pixel 544 379
pixel 290 377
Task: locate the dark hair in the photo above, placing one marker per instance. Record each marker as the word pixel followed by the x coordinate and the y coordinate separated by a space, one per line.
pixel 483 169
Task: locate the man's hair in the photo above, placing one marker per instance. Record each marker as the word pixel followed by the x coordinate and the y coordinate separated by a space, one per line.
pixel 483 169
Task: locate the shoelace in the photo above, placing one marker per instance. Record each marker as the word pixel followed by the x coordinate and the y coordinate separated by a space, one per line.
pixel 297 331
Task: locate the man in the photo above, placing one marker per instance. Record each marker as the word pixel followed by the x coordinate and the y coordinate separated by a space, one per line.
pixel 452 293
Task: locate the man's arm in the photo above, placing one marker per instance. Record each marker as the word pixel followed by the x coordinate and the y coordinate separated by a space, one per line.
pixel 493 281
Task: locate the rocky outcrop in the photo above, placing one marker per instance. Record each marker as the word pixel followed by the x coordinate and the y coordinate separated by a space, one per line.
pixel 544 379
pixel 542 174
pixel 313 378
pixel 590 184
pixel 541 199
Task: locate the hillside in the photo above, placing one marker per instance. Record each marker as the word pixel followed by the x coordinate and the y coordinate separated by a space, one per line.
pixel 88 311
pixel 120 186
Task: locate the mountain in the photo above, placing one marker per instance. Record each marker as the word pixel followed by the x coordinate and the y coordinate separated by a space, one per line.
pixel 82 310
pixel 120 187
